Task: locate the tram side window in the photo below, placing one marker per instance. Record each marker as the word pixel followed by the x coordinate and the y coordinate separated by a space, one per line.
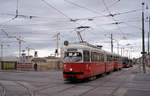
pixel 93 56
pixel 119 58
pixel 97 57
pixel 115 58
pixel 109 58
pixel 86 55
pixel 112 58
pixel 101 57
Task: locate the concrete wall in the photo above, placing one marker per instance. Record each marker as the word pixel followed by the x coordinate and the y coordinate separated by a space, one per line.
pixel 51 64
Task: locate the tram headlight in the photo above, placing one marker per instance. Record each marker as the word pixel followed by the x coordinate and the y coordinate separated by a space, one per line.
pixel 64 66
pixel 70 69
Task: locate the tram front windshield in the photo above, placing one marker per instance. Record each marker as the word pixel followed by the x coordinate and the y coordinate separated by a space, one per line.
pixel 73 57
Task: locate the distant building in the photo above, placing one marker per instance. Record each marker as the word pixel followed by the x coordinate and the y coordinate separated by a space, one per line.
pixel 47 63
pixel 39 60
pixel 9 62
pixel 26 59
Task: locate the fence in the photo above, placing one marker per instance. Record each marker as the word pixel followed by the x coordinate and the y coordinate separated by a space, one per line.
pixel 8 65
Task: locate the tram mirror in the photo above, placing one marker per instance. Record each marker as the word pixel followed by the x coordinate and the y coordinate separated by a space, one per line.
pixel 66 43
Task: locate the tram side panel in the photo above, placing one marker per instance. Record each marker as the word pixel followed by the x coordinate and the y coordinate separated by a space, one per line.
pixel 87 69
pixel 100 68
pixel 109 63
pixel 116 65
pixel 120 64
pixel 109 66
pixel 97 68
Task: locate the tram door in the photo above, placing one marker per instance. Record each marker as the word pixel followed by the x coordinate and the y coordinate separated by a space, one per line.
pixel 86 60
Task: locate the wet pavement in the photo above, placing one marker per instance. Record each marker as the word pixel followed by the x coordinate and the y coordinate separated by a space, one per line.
pixel 127 82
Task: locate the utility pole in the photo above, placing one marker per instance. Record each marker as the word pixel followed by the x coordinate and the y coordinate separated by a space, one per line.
pixel 130 54
pixel 20 41
pixel 143 40
pixel 117 42
pixel 121 52
pixel 148 42
pixel 1 52
pixel 148 37
pixel 118 47
pixel 127 53
pixel 111 43
pixel 57 44
pixel 28 49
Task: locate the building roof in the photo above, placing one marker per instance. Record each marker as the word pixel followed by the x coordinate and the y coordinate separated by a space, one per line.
pixel 10 58
pixel 52 57
pixel 38 59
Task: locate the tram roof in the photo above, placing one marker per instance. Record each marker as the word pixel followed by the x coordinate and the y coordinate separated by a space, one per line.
pixel 87 46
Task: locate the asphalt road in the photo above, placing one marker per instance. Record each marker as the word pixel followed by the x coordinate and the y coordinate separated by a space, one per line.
pixel 51 83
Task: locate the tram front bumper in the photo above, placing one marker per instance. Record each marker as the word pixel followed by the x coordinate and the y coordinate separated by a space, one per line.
pixel 73 75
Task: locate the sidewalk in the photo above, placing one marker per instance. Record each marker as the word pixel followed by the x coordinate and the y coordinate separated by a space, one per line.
pixel 140 85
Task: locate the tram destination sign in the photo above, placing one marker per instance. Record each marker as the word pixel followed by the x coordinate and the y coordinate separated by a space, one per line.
pixel 72 49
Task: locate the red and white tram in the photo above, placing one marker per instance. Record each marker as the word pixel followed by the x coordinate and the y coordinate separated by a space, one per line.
pixel 83 60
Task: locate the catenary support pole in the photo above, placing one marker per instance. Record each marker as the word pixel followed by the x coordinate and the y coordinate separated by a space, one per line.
pixel 143 40
pixel 111 43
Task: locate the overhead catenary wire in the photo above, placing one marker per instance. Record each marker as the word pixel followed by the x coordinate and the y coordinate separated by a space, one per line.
pixel 106 7
pixel 109 15
pixel 131 11
pixel 88 18
pixel 134 26
pixel 51 6
pixel 113 19
pixel 119 14
pixel 114 3
pixel 127 12
pixel 13 18
pixel 80 6
pixel 62 13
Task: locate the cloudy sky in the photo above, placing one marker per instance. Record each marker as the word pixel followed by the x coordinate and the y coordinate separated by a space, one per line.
pixel 38 21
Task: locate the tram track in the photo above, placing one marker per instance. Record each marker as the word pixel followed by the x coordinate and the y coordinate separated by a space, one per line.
pixel 80 84
pixel 29 90
pixel 44 88
pixel 126 80
pixel 108 80
pixel 33 92
pixel 41 86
